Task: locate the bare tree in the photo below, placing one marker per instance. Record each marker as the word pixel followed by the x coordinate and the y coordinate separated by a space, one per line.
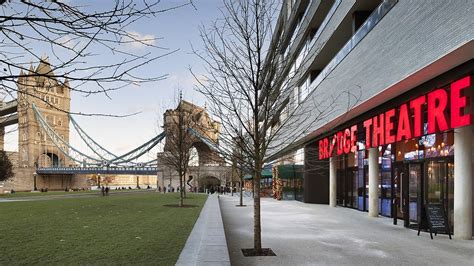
pixel 182 127
pixel 74 34
pixel 250 87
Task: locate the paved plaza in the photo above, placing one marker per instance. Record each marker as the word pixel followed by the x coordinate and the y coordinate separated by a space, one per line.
pixel 308 234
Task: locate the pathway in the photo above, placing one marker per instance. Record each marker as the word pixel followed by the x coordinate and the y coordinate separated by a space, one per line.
pixel 309 234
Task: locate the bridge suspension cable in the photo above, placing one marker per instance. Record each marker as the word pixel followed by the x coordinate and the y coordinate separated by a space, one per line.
pixel 95 147
pixel 61 144
pixel 139 151
pixel 110 157
pixel 105 157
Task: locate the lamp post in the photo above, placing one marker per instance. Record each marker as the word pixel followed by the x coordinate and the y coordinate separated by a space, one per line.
pixel 34 182
pixel 163 181
pixel 157 183
pixel 98 180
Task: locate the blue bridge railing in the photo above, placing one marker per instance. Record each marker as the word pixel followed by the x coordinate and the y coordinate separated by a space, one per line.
pixel 98 170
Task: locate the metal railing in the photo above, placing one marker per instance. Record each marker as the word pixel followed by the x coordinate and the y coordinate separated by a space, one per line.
pixel 98 170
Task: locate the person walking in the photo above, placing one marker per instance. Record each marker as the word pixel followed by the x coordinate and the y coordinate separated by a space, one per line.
pixel 103 190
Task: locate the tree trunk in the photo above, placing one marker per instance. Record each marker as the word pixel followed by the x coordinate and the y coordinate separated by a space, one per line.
pixel 257 229
pixel 180 190
pixel 241 192
pixel 184 186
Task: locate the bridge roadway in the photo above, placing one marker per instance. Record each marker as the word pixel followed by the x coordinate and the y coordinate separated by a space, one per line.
pixel 8 115
pixel 98 170
pixel 8 107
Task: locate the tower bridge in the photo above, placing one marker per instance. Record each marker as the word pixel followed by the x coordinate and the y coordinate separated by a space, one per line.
pixel 46 159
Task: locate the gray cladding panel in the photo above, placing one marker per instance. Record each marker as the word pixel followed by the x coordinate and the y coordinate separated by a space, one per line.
pixel 411 36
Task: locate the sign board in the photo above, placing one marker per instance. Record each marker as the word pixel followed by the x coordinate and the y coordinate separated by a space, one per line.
pixel 446 108
pixel 435 219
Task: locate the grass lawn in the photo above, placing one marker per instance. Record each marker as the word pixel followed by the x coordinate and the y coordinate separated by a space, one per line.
pixel 49 193
pixel 123 228
pixel 63 193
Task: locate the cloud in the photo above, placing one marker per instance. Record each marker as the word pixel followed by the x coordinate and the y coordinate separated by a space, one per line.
pixel 137 40
pixel 182 80
pixel 67 41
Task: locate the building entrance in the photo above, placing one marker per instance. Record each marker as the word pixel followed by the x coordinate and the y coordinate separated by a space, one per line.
pixel 400 188
pixel 439 183
pixel 406 180
pixel 418 183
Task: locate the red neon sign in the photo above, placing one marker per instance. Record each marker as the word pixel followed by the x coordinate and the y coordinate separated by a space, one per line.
pixel 459 102
pixel 407 120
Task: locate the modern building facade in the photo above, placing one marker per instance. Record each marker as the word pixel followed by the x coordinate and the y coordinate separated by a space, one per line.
pixel 394 82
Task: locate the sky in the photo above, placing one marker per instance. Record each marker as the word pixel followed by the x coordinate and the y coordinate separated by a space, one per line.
pixel 178 30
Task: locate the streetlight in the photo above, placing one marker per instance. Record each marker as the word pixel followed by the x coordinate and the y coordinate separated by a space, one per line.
pixel 34 182
pixel 98 180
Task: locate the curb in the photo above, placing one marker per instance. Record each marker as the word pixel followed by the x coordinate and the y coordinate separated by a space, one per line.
pixel 206 245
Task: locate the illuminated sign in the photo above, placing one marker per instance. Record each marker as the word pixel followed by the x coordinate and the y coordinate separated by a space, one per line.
pixel 406 121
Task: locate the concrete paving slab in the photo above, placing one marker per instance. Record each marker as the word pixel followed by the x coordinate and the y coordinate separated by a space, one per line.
pixel 311 234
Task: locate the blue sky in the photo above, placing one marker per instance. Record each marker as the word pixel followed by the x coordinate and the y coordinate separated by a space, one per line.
pixel 178 28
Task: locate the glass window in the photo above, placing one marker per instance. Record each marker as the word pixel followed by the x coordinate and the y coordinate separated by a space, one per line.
pixel 438 145
pixel 414 173
pixel 386 182
pixel 450 196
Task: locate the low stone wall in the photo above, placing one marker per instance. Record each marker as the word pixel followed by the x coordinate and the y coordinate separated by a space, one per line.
pixel 206 245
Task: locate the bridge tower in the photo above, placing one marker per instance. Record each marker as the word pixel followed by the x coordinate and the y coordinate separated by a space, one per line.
pixel 52 98
pixel 211 170
pixel 202 123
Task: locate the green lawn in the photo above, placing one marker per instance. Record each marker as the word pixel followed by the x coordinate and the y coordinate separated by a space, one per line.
pixel 49 193
pixel 63 193
pixel 119 229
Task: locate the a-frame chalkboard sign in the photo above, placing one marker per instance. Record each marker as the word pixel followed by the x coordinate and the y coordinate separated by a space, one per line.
pixel 434 219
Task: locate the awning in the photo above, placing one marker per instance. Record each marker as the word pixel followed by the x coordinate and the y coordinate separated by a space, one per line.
pixel 266 173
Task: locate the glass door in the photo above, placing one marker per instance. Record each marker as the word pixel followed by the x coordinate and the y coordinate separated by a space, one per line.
pixel 366 189
pixel 440 185
pixel 450 196
pixel 340 196
pixel 398 177
pixel 415 189
pixel 351 187
pixel 436 182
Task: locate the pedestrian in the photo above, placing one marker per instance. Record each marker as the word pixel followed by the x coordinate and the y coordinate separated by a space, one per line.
pixel 103 190
pixel 107 191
